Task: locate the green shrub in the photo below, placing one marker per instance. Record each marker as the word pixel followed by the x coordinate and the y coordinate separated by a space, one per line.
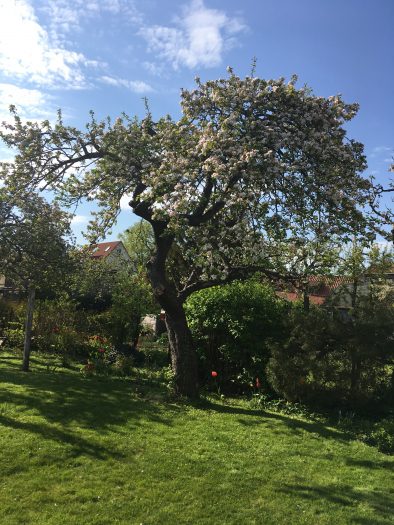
pixel 15 335
pixel 328 361
pixel 123 366
pixel 56 329
pixel 382 435
pixel 231 327
pixel 7 315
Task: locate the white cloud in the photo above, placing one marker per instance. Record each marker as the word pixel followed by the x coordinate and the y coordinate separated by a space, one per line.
pixel 79 219
pixel 136 86
pixel 28 53
pixel 157 70
pixel 200 37
pixel 124 202
pixel 32 104
pixel 66 16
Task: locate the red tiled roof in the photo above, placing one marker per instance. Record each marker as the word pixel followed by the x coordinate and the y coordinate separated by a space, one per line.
pixel 103 249
pixel 323 285
pixel 293 296
pixel 320 287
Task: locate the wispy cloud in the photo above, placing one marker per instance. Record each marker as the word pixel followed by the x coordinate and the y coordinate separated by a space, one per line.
pixel 32 104
pixel 66 16
pixel 79 219
pixel 199 37
pixel 28 53
pixel 136 86
pixel 380 150
pixel 158 70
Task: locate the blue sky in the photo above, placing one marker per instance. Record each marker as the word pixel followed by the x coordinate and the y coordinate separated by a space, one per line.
pixel 107 55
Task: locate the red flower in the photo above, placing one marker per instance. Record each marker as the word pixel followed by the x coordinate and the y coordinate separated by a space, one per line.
pixel 101 350
pixel 214 374
pixel 258 384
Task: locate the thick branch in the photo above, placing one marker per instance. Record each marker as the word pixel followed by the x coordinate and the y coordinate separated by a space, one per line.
pixel 233 275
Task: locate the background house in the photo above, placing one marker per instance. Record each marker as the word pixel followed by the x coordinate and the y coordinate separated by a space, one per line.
pixel 327 290
pixel 6 287
pixel 113 252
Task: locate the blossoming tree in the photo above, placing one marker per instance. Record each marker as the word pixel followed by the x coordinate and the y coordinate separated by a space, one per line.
pixel 251 166
pixel 33 248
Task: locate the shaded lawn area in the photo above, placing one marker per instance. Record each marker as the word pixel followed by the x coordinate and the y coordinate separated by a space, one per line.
pixel 114 451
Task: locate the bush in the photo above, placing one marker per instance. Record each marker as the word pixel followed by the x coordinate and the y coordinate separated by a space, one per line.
pixel 382 436
pixel 327 361
pixel 123 366
pixel 15 335
pixel 231 327
pixel 6 315
pixel 56 328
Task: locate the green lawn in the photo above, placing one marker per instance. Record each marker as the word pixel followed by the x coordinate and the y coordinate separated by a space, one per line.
pixel 102 451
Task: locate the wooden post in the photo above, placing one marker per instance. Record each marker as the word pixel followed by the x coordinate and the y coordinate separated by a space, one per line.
pixel 28 328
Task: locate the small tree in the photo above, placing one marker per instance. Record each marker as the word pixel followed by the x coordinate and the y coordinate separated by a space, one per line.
pixel 370 325
pixel 113 299
pixel 33 249
pixel 251 164
pixel 139 243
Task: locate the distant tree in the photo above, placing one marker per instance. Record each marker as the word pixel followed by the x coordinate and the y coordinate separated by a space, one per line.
pixel 139 243
pixel 33 248
pixel 115 298
pixel 314 258
pixel 369 295
pixel 91 282
pixel 250 166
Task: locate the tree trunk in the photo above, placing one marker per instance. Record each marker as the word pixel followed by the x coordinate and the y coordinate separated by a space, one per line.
pixel 28 328
pixel 183 355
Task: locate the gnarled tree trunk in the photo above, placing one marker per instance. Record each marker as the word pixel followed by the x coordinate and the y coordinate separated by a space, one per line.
pixel 183 355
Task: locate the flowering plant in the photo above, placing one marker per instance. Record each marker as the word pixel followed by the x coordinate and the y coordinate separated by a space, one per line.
pixel 98 347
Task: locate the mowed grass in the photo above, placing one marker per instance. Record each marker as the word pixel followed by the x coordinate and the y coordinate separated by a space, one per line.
pixel 112 451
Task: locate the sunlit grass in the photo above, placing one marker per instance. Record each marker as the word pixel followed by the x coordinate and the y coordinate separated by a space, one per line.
pixel 107 451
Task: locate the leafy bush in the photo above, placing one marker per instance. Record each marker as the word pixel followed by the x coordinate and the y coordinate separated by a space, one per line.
pixel 122 366
pixel 56 328
pixel 382 436
pixel 15 335
pixel 6 315
pixel 231 327
pixel 327 361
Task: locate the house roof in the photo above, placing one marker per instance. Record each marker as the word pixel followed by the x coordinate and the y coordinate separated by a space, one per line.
pixel 103 249
pixel 294 296
pixel 320 288
pixel 323 285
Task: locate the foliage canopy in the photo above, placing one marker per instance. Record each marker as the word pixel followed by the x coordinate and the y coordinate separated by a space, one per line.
pixel 252 166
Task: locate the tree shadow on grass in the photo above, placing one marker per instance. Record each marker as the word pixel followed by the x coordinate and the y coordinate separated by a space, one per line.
pixel 381 505
pixel 294 425
pixel 68 408
pixel 78 444
pixel 376 465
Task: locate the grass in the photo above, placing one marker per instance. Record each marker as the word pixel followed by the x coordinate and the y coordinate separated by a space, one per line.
pixel 115 451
